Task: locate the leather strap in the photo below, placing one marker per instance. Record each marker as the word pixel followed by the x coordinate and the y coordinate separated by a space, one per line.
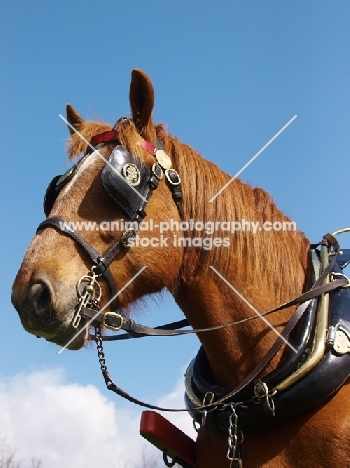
pixel 115 320
pixel 148 146
pixel 129 335
pixel 270 354
pixel 59 224
pixel 104 137
pixel 101 266
pixel 113 387
pixel 111 135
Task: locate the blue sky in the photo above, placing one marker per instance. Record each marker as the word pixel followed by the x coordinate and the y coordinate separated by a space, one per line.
pixel 228 75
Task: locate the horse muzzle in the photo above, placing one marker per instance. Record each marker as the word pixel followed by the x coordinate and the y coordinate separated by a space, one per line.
pixel 48 312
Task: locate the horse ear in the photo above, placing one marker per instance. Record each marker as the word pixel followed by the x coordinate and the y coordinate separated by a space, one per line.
pixel 73 118
pixel 141 98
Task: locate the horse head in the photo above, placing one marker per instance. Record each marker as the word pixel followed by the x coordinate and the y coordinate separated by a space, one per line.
pixel 115 185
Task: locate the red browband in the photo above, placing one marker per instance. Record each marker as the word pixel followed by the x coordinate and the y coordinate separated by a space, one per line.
pixel 111 135
pixel 104 138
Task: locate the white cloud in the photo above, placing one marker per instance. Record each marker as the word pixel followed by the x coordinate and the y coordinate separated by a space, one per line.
pixel 71 425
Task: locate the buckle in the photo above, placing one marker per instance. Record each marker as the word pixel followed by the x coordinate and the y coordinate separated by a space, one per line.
pixel 128 237
pixel 261 390
pixel 113 315
pixel 173 177
pixel 157 170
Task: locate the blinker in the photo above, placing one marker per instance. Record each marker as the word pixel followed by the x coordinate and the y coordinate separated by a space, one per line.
pixel 54 188
pixel 121 173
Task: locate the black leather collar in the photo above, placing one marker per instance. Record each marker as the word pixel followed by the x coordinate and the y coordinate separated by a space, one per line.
pixel 313 389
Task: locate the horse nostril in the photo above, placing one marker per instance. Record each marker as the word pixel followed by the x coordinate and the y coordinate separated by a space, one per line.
pixel 40 297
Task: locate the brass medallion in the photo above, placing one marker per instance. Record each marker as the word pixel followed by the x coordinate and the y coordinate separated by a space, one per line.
pixel 131 174
pixel 163 159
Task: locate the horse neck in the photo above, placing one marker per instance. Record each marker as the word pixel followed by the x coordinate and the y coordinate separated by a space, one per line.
pixel 254 273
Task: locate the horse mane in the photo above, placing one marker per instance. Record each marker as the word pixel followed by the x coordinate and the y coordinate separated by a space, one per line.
pixel 282 252
pixel 201 180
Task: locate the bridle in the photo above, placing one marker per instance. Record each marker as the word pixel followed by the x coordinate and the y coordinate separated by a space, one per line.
pixel 130 183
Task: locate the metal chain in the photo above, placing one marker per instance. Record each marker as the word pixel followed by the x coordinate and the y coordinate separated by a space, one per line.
pixel 233 442
pixel 100 353
pixel 233 433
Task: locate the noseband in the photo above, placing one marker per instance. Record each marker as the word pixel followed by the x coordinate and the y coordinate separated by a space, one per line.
pixel 130 183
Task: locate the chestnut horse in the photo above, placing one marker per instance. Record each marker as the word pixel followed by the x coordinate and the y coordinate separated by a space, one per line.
pixel 216 272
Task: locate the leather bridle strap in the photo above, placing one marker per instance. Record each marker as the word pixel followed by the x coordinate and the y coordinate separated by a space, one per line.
pixel 100 262
pixel 175 326
pixel 116 321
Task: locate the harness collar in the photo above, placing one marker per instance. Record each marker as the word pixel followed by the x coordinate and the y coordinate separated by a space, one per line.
pixel 263 403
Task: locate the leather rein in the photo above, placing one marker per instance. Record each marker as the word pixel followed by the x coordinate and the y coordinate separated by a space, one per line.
pixel 89 290
pixel 135 330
